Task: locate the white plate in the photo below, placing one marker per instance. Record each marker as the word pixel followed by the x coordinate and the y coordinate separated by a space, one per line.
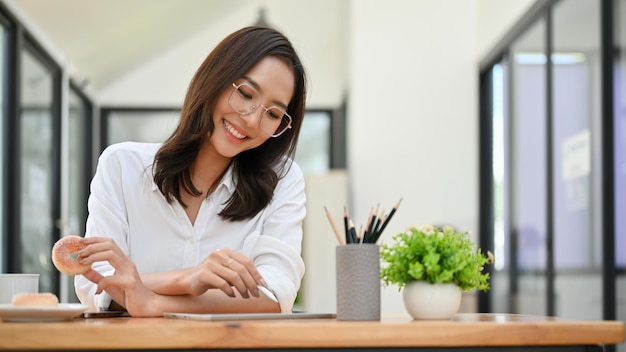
pixel 64 311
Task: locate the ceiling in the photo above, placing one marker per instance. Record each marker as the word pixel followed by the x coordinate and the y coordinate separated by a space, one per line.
pixel 102 40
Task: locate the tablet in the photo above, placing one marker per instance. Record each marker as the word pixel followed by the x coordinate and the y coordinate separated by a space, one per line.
pixel 248 316
pixel 106 314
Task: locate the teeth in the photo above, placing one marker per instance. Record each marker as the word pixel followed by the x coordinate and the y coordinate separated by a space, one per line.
pixel 233 131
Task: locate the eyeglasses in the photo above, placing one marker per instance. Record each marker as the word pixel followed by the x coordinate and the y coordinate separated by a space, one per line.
pixel 245 100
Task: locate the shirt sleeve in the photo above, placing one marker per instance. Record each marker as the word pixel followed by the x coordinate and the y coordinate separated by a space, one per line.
pixel 107 218
pixel 277 250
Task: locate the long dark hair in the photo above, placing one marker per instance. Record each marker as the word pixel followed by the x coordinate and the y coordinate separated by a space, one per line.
pixel 257 170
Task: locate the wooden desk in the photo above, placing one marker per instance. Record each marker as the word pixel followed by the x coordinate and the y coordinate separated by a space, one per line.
pixel 472 332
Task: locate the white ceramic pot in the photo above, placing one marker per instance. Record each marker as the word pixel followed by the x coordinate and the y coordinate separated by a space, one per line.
pixel 425 301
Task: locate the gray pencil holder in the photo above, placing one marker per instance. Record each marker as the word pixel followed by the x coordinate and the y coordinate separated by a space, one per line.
pixel 358 281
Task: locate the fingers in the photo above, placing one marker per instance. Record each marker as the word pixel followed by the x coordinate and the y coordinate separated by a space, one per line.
pixel 126 277
pixel 232 274
pixel 93 276
pixel 104 284
pixel 238 271
pixel 125 286
pixel 122 280
pixel 116 286
pixel 239 277
pixel 102 249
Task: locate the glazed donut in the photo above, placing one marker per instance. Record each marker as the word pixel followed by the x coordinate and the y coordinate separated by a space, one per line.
pixel 35 300
pixel 64 255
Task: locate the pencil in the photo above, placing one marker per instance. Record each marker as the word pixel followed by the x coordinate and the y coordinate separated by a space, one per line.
pixel 345 224
pixel 366 233
pixel 370 231
pixel 393 211
pixel 334 226
pixel 378 222
pixel 359 235
pixel 352 232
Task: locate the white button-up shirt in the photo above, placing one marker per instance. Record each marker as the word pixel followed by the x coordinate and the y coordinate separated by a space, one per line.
pixel 126 205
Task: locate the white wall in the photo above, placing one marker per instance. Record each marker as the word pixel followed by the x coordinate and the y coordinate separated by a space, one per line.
pixel 318 291
pixel 412 115
pixel 413 111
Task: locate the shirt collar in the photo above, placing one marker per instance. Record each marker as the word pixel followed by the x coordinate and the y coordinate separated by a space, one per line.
pixel 227 180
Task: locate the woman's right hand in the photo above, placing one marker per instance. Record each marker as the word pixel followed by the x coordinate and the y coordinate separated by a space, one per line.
pixel 125 286
pixel 226 270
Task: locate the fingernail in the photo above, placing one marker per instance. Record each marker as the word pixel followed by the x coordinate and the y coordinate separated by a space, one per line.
pixel 263 283
pixel 256 293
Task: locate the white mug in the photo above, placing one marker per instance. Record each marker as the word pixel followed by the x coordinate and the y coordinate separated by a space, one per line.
pixel 10 284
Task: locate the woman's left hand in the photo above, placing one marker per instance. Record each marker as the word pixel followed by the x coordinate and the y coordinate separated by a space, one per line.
pixel 226 270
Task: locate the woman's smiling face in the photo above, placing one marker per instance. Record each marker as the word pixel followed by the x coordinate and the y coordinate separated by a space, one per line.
pixel 235 133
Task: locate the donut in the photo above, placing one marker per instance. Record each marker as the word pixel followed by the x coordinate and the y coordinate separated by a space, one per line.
pixel 64 255
pixel 35 300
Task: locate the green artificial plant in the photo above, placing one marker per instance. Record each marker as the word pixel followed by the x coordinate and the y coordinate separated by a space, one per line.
pixel 435 255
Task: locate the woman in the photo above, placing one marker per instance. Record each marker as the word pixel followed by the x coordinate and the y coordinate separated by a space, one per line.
pixel 200 222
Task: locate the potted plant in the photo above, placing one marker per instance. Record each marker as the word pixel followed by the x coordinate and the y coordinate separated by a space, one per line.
pixel 433 266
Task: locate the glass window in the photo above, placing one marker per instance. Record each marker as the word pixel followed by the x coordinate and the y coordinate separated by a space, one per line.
pixel 620 140
pixel 554 202
pixel 36 170
pixel 313 153
pixel 577 159
pixel 501 242
pixel 528 169
pixel 139 126
pixel 79 128
pixel 78 173
pixel 3 119
pixel 620 163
